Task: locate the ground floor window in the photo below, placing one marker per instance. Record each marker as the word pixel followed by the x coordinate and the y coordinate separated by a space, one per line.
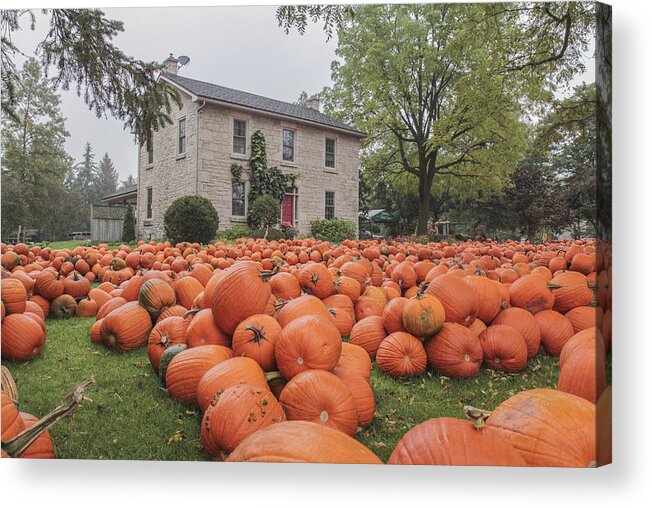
pixel 329 204
pixel 238 207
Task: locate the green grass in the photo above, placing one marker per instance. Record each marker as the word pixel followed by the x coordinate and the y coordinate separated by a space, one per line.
pixel 403 403
pixel 132 418
pixel 70 244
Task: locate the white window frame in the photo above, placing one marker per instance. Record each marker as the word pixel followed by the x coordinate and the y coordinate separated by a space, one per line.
pixel 149 204
pixel 334 154
pixel 282 146
pixel 246 130
pixel 326 206
pixel 233 214
pixel 185 137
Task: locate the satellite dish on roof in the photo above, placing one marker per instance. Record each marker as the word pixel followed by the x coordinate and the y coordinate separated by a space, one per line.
pixel 183 60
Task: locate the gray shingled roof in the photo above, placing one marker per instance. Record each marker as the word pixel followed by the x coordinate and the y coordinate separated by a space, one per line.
pixel 240 98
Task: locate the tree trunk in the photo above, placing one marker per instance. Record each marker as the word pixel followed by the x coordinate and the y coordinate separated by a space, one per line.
pixel 424 197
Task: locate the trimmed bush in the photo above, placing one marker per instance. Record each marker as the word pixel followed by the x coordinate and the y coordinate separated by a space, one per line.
pixel 264 212
pixel 129 226
pixel 191 218
pixel 335 229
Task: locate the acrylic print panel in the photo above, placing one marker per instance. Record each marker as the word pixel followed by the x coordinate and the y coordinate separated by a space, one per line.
pixel 440 293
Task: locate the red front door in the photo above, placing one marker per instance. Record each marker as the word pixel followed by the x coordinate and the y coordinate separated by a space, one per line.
pixel 288 209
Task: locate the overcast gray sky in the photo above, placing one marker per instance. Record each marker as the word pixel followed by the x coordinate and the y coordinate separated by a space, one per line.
pixel 240 47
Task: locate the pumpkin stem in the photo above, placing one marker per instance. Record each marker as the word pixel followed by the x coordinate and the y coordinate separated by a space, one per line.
pixel 69 402
pixel 9 385
pixel 189 313
pixel 272 375
pixel 265 275
pixel 258 334
pixel 476 415
pixel 553 286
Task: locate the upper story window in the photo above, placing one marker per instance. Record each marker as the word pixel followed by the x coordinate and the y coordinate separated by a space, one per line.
pixel 150 152
pixel 150 197
pixel 239 136
pixel 330 153
pixel 329 205
pixel 288 145
pixel 238 203
pixel 181 136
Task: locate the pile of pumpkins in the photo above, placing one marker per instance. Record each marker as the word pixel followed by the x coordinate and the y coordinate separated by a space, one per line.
pixel 252 334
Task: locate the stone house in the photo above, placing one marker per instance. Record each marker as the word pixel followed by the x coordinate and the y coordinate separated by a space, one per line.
pixel 212 130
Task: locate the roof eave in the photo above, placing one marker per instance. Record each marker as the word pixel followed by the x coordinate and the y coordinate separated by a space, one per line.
pixel 197 98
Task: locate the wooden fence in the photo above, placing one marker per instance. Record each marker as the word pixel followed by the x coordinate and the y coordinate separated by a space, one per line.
pixel 106 223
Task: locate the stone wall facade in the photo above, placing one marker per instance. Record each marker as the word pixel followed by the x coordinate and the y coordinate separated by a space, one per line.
pixel 205 169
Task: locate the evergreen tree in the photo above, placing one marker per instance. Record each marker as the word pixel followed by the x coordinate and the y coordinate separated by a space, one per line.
pixel 79 45
pixel 85 185
pixel 107 176
pixel 129 225
pixel 34 161
pixel 129 182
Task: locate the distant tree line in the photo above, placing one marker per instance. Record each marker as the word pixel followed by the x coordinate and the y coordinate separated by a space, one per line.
pixel 42 188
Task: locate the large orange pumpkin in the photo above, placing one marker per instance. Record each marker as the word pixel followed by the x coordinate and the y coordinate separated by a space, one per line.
pixel 423 315
pixel 532 293
pixel 490 298
pixel 320 396
pixel 236 413
pixel 310 342
pixel 42 447
pixel 555 330
pixel 155 296
pixel 368 333
pixel 126 327
pixel 256 338
pixel 243 291
pixel 22 337
pixel 362 393
pixel 302 442
pixel 227 373
pixel 447 441
pixel 455 351
pixel 166 333
pixel 188 367
pixel 525 323
pixel 14 295
pixel 401 355
pixel 203 331
pixel 355 358
pixel 504 348
pixel 548 428
pixel 460 301
pixel 583 365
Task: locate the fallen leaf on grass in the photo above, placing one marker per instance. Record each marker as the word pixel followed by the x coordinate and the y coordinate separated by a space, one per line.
pixel 45 377
pixel 378 444
pixel 178 437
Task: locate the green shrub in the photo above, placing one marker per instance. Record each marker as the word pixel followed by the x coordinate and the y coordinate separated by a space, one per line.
pixel 129 226
pixel 191 218
pixel 335 229
pixel 264 212
pixel 239 231
pixel 272 234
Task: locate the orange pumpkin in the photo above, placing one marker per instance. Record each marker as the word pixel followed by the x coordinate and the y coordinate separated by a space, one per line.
pixel 455 351
pixel 321 397
pixel 310 342
pixel 401 355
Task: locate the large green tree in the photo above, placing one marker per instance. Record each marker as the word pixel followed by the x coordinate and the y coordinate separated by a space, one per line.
pixel 34 161
pixel 441 89
pixel 79 46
